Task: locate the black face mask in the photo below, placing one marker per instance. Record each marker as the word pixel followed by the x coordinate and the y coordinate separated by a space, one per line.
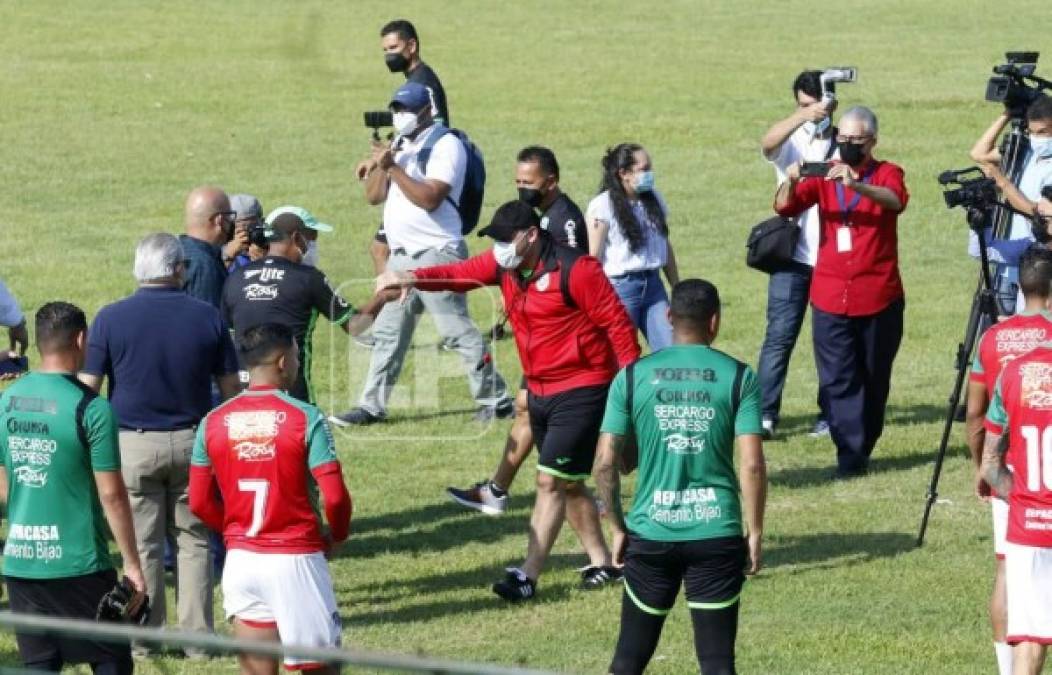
pixel 851 154
pixel 531 196
pixel 396 63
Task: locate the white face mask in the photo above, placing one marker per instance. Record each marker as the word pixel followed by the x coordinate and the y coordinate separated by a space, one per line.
pixel 310 258
pixel 506 255
pixel 404 122
pixel 817 128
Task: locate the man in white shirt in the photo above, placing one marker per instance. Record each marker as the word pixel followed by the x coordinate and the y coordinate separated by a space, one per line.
pixel 419 180
pixel 807 135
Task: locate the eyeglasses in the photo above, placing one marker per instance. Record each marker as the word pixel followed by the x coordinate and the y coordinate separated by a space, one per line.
pixel 856 140
pixel 227 215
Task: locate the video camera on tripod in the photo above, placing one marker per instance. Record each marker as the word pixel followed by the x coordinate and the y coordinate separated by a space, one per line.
pixel 969 188
pixel 1014 83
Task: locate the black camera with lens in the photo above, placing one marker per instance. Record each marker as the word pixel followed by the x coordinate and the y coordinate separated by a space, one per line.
pixel 1014 83
pixel 258 235
pixel 378 119
pixel 968 188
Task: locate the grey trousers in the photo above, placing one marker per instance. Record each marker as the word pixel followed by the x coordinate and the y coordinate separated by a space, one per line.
pixel 156 469
pixel 394 327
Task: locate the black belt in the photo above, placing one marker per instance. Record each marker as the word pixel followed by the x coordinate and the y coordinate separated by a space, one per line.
pixel 143 430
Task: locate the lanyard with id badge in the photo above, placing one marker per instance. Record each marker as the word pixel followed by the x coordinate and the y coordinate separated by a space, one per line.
pixel 843 233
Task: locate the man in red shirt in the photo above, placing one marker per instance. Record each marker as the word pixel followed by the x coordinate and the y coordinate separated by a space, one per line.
pixel 266 451
pixel 856 294
pixel 1019 434
pixel 999 345
pixel 573 335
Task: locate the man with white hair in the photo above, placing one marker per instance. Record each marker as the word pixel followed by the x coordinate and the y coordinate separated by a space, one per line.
pixel 856 293
pixel 160 349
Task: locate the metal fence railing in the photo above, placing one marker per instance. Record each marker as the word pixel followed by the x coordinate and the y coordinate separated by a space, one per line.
pixel 220 645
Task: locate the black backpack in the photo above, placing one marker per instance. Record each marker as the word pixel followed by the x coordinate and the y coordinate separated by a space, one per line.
pixel 470 206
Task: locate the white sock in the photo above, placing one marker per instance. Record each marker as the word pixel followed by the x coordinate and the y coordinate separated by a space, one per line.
pixel 1003 650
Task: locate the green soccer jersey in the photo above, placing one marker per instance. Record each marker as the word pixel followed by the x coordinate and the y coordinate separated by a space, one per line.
pixel 688 402
pixel 54 433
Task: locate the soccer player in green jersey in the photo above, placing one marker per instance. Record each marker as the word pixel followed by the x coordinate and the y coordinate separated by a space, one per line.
pixel 61 482
pixel 685 405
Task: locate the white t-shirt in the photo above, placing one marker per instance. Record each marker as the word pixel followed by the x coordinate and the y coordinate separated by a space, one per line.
pixel 10 313
pixel 407 225
pixel 617 257
pixel 802 146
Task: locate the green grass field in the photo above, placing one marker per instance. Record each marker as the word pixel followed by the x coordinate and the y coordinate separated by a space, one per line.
pixel 112 111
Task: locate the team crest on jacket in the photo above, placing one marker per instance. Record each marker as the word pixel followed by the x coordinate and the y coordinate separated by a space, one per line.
pixel 252 433
pixel 1036 380
pixel 542 283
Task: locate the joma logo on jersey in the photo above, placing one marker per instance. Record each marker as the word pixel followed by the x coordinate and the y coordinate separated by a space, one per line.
pixel 684 375
pixel 29 404
pixel 250 451
pixel 260 292
pixel 266 274
pixel 30 477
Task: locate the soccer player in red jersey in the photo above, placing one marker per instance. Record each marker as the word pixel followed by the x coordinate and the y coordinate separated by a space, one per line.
pixel 1019 434
pixel 256 466
pixel 1000 344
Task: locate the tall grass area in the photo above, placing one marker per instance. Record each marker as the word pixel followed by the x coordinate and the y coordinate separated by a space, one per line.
pixel 111 111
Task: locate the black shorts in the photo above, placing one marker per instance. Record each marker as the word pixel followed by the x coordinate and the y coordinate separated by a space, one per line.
pixel 381 235
pixel 566 429
pixel 70 597
pixel 711 571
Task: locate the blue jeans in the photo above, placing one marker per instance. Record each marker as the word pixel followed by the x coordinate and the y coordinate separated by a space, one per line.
pixel 646 302
pixel 787 294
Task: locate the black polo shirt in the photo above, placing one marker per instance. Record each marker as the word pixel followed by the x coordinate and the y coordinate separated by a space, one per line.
pixel 566 223
pixel 205 271
pixel 277 290
pixel 423 74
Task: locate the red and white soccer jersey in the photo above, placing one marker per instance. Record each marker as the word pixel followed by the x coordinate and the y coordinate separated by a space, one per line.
pixel 266 451
pixel 1022 408
pixel 1004 341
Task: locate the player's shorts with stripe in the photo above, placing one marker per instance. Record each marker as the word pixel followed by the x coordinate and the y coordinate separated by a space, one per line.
pixel 1028 592
pixel 566 430
pixel 289 591
pixel 712 572
pixel 999 511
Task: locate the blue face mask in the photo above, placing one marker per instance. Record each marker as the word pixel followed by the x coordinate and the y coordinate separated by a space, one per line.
pixel 644 181
pixel 1041 146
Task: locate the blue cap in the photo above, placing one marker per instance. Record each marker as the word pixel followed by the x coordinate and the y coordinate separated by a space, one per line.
pixel 413 96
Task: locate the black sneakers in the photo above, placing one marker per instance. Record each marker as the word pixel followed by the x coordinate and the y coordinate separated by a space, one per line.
pixel 596 576
pixel 515 586
pixel 355 417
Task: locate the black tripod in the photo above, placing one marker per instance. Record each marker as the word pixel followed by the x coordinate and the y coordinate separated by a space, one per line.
pixel 985 306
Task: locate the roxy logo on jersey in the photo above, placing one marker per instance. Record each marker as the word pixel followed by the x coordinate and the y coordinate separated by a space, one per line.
pixel 261 292
pixel 252 433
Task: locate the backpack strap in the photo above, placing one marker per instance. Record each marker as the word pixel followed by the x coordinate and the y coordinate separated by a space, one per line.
pixel 424 156
pixel 567 257
pixel 833 132
pixel 736 388
pixel 630 388
pixel 88 395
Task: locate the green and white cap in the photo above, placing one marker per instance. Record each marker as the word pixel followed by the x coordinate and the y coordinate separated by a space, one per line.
pixel 289 218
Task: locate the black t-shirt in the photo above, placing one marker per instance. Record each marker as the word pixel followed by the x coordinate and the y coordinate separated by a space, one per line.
pixel 423 74
pixel 564 221
pixel 277 290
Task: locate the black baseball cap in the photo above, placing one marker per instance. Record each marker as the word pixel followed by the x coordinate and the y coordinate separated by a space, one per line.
pixel 509 219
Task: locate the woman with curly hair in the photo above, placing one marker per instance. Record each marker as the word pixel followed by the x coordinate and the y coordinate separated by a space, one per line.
pixel 628 233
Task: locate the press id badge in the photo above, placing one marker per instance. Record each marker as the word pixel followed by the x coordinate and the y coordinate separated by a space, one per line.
pixel 843 239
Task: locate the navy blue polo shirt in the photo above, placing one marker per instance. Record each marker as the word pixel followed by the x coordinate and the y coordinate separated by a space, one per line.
pixel 159 348
pixel 205 271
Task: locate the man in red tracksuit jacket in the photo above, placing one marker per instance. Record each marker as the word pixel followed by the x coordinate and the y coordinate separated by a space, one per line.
pixel 573 335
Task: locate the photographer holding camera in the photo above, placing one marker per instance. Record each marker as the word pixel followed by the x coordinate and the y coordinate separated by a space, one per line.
pixel 805 135
pixel 210 243
pixel 61 485
pixel 1036 174
pixel 857 300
